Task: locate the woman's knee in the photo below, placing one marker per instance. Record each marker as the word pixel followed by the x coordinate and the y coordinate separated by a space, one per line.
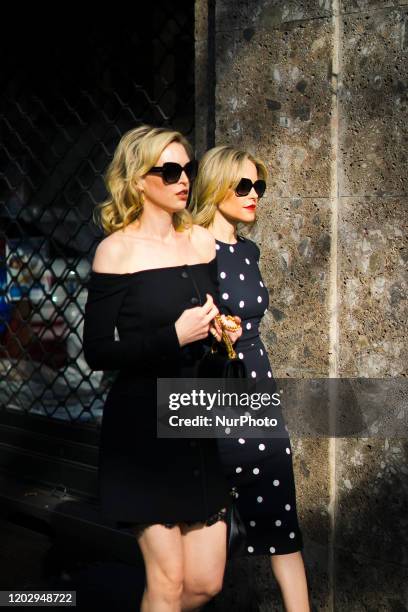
pixel 163 557
pixel 166 586
pixel 206 586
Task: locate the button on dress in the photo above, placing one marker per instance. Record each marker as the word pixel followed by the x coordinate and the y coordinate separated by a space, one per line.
pixel 142 478
pixel 260 469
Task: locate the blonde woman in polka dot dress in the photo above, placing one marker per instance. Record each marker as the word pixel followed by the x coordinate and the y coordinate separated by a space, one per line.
pixel 226 192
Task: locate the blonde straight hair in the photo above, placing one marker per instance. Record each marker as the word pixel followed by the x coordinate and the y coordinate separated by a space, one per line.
pixel 220 169
pixel 138 151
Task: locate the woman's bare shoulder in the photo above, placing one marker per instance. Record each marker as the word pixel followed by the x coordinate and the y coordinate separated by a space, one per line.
pixel 110 255
pixel 203 241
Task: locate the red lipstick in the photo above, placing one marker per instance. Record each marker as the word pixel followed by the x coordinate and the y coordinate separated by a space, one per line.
pixel 183 194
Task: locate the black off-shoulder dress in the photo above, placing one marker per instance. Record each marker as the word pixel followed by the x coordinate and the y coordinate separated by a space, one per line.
pixel 144 479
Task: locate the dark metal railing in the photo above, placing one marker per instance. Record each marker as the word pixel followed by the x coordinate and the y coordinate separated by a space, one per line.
pixel 64 106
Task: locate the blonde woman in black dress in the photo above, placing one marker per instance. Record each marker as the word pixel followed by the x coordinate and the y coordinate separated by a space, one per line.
pixel 171 492
pixel 226 193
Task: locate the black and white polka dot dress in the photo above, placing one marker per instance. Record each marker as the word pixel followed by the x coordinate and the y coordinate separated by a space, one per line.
pixel 260 469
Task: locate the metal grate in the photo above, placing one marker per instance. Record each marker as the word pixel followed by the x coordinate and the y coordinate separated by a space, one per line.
pixel 67 98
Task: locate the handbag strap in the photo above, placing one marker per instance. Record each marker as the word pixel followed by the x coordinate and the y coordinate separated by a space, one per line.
pixel 227 341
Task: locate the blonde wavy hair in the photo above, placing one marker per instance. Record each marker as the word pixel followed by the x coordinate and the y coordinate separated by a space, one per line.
pixel 220 169
pixel 138 151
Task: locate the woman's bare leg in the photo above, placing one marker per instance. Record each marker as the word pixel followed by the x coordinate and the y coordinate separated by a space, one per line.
pixel 162 552
pixel 204 554
pixel 289 571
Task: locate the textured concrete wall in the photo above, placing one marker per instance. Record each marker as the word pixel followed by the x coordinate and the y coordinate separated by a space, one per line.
pixel 318 89
pixel 371 474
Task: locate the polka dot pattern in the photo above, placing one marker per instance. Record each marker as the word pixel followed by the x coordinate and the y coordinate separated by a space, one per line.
pixel 261 468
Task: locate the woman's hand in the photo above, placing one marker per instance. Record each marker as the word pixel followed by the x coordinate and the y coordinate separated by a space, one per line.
pixel 233 335
pixel 194 323
pixel 216 329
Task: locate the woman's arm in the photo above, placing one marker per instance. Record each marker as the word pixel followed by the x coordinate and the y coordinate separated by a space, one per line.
pixel 102 352
pixel 234 336
pixel 255 248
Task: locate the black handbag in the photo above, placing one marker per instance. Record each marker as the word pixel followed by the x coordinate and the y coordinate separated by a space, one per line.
pixel 221 361
pixel 236 531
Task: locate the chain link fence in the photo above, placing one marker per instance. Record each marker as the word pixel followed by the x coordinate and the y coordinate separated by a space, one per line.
pixel 67 97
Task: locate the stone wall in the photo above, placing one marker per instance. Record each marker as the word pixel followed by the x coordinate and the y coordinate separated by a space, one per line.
pixel 319 90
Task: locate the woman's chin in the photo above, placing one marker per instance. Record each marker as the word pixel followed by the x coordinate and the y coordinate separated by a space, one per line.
pixel 248 217
pixel 174 207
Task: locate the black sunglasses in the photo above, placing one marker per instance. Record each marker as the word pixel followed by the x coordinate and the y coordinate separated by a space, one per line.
pixel 245 185
pixel 171 171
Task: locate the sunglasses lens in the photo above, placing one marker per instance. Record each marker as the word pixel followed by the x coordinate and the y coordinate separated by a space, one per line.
pixel 260 187
pixel 191 169
pixel 244 187
pixel 171 172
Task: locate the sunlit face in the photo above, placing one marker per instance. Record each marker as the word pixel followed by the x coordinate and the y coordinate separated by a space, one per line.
pixel 241 208
pixel 171 197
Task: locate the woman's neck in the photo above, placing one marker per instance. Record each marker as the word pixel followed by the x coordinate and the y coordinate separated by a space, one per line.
pixel 156 224
pixel 223 229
